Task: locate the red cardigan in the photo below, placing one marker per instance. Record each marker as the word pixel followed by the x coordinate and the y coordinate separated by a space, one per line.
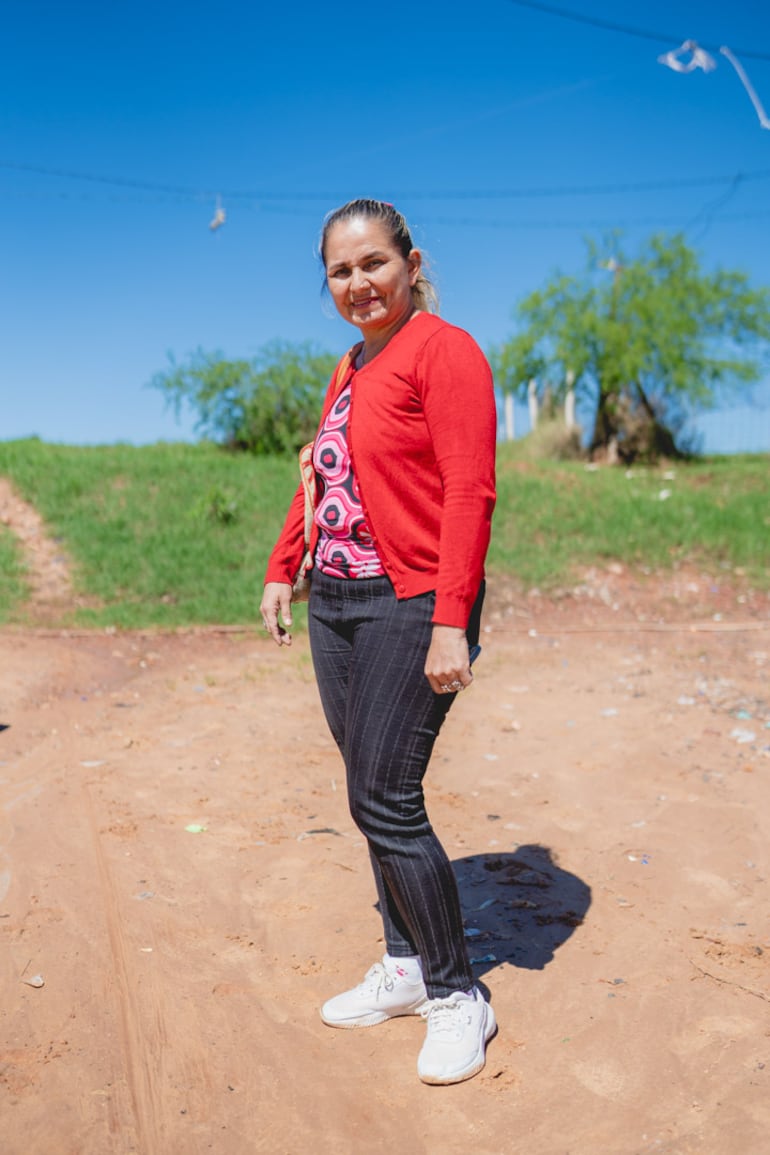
pixel 421 433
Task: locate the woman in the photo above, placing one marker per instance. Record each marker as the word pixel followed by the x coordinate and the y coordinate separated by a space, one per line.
pixel 404 461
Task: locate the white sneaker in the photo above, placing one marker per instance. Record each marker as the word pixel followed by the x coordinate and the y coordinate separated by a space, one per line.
pixel 459 1028
pixel 385 993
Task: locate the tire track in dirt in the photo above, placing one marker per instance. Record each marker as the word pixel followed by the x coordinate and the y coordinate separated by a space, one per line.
pixel 141 1055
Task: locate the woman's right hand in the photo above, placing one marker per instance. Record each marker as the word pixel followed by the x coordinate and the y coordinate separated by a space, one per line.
pixel 276 602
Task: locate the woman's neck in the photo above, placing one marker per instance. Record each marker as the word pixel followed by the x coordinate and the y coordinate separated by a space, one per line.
pixel 374 343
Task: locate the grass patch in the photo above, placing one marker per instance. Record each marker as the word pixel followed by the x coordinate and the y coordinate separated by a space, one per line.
pixel 161 535
pixel 13 587
pixel 171 535
pixel 553 517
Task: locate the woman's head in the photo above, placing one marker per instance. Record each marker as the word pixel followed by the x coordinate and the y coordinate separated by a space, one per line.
pixel 391 224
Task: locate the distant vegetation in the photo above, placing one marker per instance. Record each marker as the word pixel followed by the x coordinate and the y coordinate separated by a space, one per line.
pixel 268 404
pixel 647 341
pixel 171 535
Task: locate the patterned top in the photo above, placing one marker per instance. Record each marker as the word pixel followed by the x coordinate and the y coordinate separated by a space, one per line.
pixel 345 547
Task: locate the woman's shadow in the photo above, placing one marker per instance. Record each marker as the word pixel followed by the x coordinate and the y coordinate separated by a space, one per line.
pixel 518 908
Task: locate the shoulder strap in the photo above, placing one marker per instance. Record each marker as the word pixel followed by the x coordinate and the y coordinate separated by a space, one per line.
pixel 344 367
pixel 307 473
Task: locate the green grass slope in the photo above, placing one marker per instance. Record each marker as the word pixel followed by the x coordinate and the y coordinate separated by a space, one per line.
pixel 171 534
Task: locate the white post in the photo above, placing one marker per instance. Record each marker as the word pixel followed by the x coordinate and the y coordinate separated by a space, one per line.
pixel 532 402
pixel 510 431
pixel 569 401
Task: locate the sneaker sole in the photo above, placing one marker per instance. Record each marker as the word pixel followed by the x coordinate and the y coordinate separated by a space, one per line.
pixel 373 1019
pixel 477 1064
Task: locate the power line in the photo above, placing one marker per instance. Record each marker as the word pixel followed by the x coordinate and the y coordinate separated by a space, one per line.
pixel 709 212
pixel 625 29
pixel 403 194
pixel 634 222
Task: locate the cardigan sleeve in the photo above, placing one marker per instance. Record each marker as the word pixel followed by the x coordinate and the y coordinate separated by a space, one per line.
pixel 289 550
pixel 461 415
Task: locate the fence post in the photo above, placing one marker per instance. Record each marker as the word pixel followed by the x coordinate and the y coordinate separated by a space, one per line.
pixel 532 402
pixel 510 430
pixel 569 401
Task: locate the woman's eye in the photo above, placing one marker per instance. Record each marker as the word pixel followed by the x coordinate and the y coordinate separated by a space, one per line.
pixel 340 274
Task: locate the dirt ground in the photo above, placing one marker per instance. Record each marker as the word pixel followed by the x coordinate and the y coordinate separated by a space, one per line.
pixel 181 887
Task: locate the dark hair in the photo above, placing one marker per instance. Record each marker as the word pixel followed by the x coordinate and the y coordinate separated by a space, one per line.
pixel 424 292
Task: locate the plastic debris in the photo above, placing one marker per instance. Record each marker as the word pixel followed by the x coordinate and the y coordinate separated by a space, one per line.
pixel 610 712
pixel 744 715
pixel 471 932
pixel 743 736
pixel 685 701
pixel 145 894
pixel 195 828
pixel 484 958
pixel 35 981
pixel 486 903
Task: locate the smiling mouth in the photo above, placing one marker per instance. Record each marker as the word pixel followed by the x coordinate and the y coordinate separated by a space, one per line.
pixel 363 304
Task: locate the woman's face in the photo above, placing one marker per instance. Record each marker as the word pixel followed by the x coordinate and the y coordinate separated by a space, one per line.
pixel 369 280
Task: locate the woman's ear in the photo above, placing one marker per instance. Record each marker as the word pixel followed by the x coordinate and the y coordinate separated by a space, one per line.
pixel 414 264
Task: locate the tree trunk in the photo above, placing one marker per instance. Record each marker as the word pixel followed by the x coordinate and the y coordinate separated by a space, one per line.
pixel 605 421
pixel 662 441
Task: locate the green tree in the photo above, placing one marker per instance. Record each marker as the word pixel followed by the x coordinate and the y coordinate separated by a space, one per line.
pixel 648 341
pixel 269 404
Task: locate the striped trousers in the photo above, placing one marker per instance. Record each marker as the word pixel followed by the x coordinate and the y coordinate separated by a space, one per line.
pixel 369 654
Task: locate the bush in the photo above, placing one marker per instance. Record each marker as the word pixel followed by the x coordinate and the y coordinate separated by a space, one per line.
pixel 551 440
pixel 270 404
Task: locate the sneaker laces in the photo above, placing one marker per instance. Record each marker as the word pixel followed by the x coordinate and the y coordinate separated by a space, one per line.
pixel 377 977
pixel 445 1017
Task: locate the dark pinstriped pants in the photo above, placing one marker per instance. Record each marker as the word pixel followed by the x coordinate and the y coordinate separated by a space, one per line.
pixel 369 656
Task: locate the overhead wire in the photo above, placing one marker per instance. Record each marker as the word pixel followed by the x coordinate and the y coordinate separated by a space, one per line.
pixel 707 215
pixel 539 191
pixel 625 29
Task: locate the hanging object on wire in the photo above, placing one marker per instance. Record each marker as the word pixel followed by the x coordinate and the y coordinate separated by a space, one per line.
pixel 699 58
pixel 689 56
pixel 219 217
pixel 763 119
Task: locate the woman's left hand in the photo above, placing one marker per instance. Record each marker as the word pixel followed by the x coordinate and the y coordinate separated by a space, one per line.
pixel 447 667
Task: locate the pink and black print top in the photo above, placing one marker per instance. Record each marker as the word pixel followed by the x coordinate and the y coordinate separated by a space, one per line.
pixel 345 547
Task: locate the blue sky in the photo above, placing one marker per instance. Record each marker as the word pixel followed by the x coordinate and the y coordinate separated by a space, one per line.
pixel 485 123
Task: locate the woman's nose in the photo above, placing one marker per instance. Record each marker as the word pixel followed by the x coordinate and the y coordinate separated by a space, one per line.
pixel 358 278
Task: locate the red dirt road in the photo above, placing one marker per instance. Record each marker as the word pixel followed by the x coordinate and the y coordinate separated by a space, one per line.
pixel 603 790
